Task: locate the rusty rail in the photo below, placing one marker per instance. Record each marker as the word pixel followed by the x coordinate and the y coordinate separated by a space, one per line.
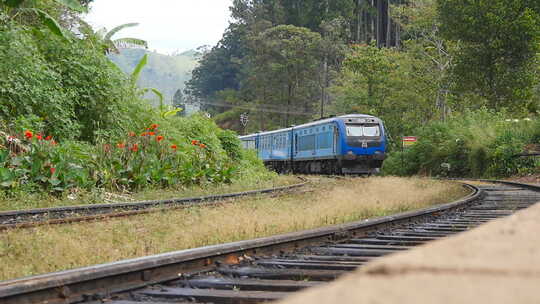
pixel 81 213
pixel 96 282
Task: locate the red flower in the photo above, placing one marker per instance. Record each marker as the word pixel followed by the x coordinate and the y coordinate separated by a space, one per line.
pixel 132 134
pixel 28 134
pixel 39 137
pixel 154 126
pixel 194 142
pixel 151 133
pixel 144 134
pixel 48 137
pixel 53 169
pixel 202 146
pixel 174 147
pixel 135 148
pixel 121 145
pixel 159 138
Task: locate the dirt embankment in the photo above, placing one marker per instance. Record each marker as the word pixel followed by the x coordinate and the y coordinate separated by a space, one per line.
pixel 528 179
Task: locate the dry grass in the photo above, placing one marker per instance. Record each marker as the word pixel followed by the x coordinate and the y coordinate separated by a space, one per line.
pixel 476 183
pixel 30 201
pixel 46 249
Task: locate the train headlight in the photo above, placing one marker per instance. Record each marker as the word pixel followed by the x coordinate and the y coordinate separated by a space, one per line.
pixel 350 155
pixel 379 155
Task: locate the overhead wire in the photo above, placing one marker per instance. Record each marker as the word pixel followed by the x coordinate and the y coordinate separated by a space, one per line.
pixel 255 108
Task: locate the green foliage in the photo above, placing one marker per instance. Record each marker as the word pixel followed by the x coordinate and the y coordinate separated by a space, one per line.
pixel 387 83
pixel 110 45
pixel 261 58
pixel 478 144
pixel 287 57
pixel 70 89
pixel 30 86
pixel 221 67
pixel 137 71
pixel 499 42
pixel 44 166
pixel 29 7
pixel 372 67
pixel 231 144
pixel 183 151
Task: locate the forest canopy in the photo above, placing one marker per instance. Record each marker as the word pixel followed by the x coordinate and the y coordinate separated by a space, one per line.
pixel 388 58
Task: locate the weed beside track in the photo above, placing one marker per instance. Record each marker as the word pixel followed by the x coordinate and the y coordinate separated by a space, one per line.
pixel 30 201
pixel 53 248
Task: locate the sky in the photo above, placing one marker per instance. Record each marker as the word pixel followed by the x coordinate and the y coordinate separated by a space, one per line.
pixel 167 25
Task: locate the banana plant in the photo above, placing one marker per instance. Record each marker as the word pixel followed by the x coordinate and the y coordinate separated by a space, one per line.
pixel 164 110
pixel 20 7
pixel 111 45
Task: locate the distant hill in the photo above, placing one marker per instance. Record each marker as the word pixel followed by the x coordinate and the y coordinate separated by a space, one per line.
pixel 167 73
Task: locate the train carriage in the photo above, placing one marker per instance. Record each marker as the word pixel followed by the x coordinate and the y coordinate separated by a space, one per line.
pixel 348 144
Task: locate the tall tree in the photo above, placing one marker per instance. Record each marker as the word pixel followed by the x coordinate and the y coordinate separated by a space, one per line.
pixel 500 39
pixel 290 55
pixel 421 24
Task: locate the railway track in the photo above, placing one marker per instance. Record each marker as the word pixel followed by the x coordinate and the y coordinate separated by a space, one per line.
pixel 81 213
pixel 269 268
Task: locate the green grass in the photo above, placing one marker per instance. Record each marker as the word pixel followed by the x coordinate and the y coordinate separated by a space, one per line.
pixel 23 201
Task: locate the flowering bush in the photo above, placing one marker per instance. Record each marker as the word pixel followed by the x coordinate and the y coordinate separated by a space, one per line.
pixel 136 161
pixel 38 162
pixel 184 151
pixel 151 158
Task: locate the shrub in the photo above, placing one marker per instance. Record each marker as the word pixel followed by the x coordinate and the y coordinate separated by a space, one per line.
pixel 157 156
pixel 476 144
pixel 231 144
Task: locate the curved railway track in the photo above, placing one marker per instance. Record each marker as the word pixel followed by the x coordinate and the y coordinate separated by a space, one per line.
pixel 81 213
pixel 269 268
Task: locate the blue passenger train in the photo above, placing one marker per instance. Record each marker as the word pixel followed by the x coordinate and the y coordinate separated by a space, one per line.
pixel 348 144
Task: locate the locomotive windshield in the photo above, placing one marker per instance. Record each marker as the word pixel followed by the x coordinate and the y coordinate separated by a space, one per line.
pixel 364 130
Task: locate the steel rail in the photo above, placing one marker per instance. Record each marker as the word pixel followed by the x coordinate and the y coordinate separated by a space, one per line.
pixel 79 213
pixel 522 185
pixel 99 281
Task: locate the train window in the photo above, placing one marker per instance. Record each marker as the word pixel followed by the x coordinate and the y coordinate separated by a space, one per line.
pixel 306 143
pixel 369 130
pixel 372 130
pixel 324 140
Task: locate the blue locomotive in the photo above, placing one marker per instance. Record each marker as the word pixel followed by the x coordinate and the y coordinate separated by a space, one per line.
pixel 348 144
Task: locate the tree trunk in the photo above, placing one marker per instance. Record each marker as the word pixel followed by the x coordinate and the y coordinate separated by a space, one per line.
pixel 324 84
pixel 388 25
pixel 289 97
pixel 373 31
pixel 380 23
pixel 359 24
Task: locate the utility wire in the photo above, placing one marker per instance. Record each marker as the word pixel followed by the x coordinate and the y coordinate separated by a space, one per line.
pixel 256 109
